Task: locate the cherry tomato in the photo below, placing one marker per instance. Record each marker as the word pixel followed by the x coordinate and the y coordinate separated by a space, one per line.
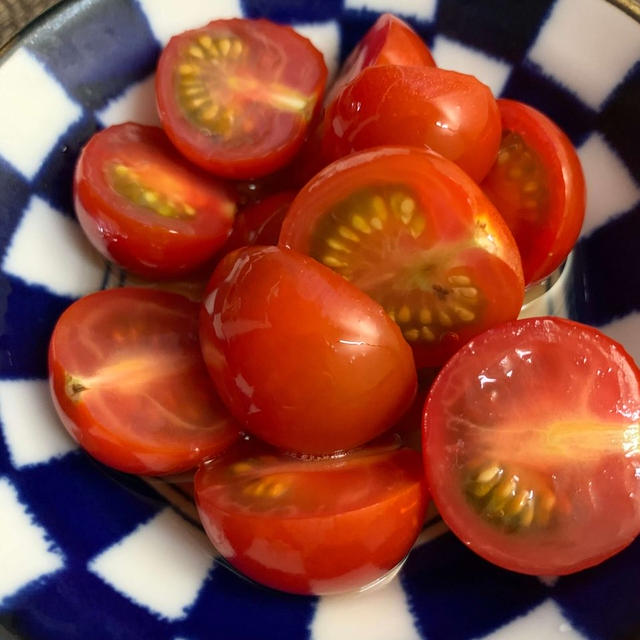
pixel 414 232
pixel 129 384
pixel 303 359
pixel 389 41
pixel 142 206
pixel 313 526
pixel 449 112
pixel 532 446
pixel 260 223
pixel 236 96
pixel 538 186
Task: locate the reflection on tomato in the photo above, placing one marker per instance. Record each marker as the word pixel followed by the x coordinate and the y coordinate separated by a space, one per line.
pixel 413 231
pixel 303 359
pixel 129 384
pixel 532 446
pixel 313 526
pixel 538 186
pixel 449 112
pixel 144 207
pixel 236 96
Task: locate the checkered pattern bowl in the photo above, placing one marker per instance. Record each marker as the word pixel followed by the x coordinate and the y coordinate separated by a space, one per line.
pixel 87 553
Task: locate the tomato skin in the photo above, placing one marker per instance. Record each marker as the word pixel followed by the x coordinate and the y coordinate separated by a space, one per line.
pixel 547 240
pixel 503 397
pixel 302 359
pixel 143 401
pixel 268 136
pixel 389 41
pixel 138 238
pixel 326 538
pixel 449 112
pixel 456 213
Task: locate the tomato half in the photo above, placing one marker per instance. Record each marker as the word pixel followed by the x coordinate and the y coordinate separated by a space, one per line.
pixel 313 526
pixel 538 186
pixel 449 112
pixel 144 207
pixel 532 446
pixel 389 41
pixel 414 232
pixel 236 96
pixel 129 384
pixel 302 358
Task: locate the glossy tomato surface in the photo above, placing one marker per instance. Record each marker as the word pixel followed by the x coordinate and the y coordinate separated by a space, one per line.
pixel 236 96
pixel 129 384
pixel 532 446
pixel 313 526
pixel 449 112
pixel 414 232
pixel 538 186
pixel 302 358
pixel 389 41
pixel 144 207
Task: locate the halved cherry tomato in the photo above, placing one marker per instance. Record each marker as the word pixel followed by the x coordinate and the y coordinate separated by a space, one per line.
pixel 389 41
pixel 538 186
pixel 236 96
pixel 532 446
pixel 302 358
pixel 144 207
pixel 413 231
pixel 313 526
pixel 129 384
pixel 260 223
pixel 449 112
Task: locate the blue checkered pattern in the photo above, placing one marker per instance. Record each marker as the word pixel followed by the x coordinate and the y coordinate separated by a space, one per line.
pixel 76 529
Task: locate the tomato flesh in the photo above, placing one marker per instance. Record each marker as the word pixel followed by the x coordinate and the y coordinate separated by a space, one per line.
pixel 538 186
pixel 531 446
pixel 389 41
pixel 302 358
pixel 129 384
pixel 300 525
pixel 236 96
pixel 411 230
pixel 142 206
pixel 449 112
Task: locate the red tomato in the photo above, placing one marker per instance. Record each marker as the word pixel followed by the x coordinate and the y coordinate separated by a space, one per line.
pixel 538 186
pixel 260 223
pixel 532 446
pixel 313 526
pixel 302 359
pixel 236 96
pixel 142 206
pixel 389 41
pixel 414 232
pixel 449 112
pixel 129 384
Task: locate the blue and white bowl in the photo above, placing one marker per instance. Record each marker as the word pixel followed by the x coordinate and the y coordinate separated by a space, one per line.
pixel 88 553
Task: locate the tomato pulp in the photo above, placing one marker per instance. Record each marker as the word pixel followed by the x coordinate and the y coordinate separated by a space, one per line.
pixel 144 207
pixel 532 446
pixel 538 186
pixel 236 96
pixel 313 526
pixel 129 384
pixel 413 231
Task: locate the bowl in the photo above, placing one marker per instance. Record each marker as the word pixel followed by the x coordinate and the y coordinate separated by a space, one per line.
pixel 87 552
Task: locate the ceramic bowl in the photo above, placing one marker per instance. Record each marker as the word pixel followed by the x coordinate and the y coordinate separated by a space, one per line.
pixel 86 552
